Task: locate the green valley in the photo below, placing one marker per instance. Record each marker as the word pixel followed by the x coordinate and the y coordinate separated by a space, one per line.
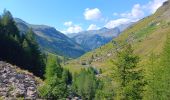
pixel 128 60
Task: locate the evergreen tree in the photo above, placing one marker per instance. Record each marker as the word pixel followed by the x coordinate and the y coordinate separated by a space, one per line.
pixel 130 77
pixel 67 77
pixel 26 46
pixel 54 89
pixel 152 83
pixel 105 90
pixel 53 68
pixel 36 64
pixel 9 26
pixel 57 80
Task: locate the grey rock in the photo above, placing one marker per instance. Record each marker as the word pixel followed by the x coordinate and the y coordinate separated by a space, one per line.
pixel 14 85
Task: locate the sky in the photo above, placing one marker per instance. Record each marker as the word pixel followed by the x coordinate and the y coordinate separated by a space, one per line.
pixel 73 16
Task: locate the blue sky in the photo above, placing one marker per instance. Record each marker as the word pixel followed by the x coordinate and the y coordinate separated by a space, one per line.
pixel 78 15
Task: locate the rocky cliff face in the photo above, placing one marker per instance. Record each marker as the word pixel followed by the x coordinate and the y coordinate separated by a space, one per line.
pixel 16 84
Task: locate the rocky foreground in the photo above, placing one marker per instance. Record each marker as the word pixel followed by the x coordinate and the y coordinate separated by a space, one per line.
pixel 16 84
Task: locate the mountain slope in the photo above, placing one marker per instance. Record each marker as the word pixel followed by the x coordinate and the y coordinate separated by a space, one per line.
pixel 147 36
pixel 95 38
pixel 51 40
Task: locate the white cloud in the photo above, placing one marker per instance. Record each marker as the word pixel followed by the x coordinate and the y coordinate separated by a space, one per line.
pixel 92 14
pixel 92 27
pixel 74 29
pixel 69 23
pixel 154 5
pixel 117 22
pixel 134 15
pixel 136 12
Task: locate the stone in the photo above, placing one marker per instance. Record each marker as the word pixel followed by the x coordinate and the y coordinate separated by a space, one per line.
pixel 14 85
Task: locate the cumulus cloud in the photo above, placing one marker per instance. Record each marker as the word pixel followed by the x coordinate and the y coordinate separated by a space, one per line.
pixel 154 5
pixel 69 23
pixel 117 22
pixel 92 14
pixel 92 27
pixel 136 12
pixel 72 28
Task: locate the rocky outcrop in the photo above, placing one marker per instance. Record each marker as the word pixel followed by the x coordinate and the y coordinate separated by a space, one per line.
pixel 16 84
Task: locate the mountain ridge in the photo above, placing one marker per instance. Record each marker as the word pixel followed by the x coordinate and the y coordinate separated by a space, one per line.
pixel 93 39
pixel 52 40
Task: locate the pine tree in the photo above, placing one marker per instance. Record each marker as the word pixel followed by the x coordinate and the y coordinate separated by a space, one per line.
pixel 54 89
pixel 37 61
pixel 130 77
pixel 53 68
pixel 67 77
pixel 25 45
pixel 56 81
pixel 9 25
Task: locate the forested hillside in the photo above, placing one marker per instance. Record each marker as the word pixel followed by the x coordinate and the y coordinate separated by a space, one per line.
pixel 19 49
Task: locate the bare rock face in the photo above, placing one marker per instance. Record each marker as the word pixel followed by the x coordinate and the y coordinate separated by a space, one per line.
pixel 15 85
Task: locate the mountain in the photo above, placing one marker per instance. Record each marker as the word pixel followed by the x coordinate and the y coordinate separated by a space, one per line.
pixel 146 36
pixel 51 40
pixel 96 38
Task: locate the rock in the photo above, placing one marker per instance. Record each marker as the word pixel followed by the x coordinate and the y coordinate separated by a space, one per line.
pixel 19 92
pixel 31 92
pixel 14 85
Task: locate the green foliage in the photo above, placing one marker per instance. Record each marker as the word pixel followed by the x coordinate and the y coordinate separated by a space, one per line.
pixel 85 84
pixel 105 90
pixel 130 78
pixel 36 57
pixel 158 87
pixel 67 77
pixel 54 89
pixel 57 80
pixel 53 68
